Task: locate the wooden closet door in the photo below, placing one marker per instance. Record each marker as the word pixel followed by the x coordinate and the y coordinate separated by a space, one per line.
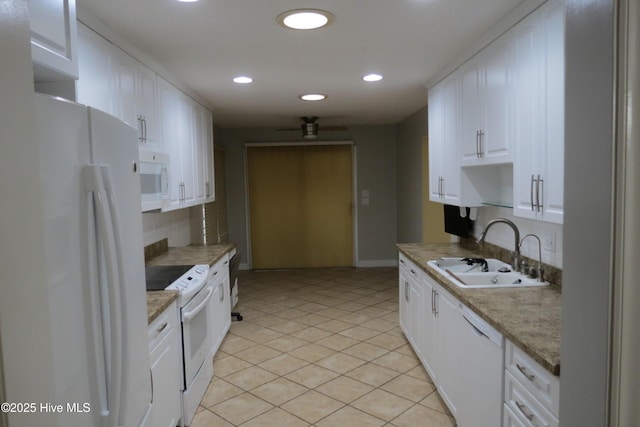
pixel 300 202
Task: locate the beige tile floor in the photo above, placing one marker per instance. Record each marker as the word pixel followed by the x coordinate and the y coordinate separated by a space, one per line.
pixel 319 347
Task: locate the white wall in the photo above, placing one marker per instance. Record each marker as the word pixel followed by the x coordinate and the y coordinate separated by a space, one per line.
pixel 376 165
pixel 411 133
pixel 588 220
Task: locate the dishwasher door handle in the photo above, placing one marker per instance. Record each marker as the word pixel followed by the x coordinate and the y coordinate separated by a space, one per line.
pixel 475 328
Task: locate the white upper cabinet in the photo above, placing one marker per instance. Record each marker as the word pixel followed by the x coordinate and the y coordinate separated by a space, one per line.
pixel 134 91
pixel 539 115
pixel 167 120
pixel 113 81
pixel 53 39
pixel 93 86
pixel 496 124
pixel 176 120
pixel 485 108
pixel 444 166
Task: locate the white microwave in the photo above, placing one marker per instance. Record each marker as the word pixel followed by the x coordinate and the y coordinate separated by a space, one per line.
pixel 154 179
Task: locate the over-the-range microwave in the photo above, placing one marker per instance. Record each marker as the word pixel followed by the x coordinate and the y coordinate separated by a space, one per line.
pixel 154 179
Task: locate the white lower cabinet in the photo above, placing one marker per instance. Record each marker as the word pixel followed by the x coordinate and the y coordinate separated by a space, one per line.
pixel 411 305
pixel 530 392
pixel 164 347
pixel 221 307
pixel 461 353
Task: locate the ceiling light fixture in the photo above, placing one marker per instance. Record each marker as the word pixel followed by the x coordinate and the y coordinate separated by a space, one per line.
pixel 313 97
pixel 305 19
pixel 242 79
pixel 372 77
pixel 187 1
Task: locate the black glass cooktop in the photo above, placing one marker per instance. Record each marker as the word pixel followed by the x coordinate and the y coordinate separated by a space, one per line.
pixel 161 276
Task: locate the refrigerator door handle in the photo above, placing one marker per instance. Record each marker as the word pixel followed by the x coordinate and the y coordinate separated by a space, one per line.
pixel 94 182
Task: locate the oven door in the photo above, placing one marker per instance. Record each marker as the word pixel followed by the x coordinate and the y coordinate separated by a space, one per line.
pixel 196 333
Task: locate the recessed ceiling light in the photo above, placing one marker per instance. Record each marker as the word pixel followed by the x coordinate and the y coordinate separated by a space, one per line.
pixel 242 79
pixel 305 19
pixel 313 97
pixel 187 1
pixel 372 77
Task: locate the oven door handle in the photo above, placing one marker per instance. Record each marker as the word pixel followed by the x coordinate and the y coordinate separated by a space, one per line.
pixel 186 317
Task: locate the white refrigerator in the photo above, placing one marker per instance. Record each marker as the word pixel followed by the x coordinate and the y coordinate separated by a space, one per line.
pixel 95 264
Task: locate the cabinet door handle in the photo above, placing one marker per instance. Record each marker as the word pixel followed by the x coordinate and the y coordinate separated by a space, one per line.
pixel 144 128
pixel 162 328
pixel 433 299
pixel 206 185
pixel 481 141
pixel 436 298
pixel 523 371
pixel 533 205
pixel 539 190
pixel 443 187
pixel 522 408
pixel 406 291
pixel 141 127
pixel 479 137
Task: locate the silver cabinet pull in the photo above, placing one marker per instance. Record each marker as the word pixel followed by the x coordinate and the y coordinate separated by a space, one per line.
pixel 144 128
pixel 406 291
pixel 539 190
pixel 533 205
pixel 433 301
pixel 524 372
pixel 141 127
pixel 479 138
pixel 162 328
pixel 522 408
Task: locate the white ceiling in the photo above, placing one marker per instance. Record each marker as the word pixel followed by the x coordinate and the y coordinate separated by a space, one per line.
pixel 205 44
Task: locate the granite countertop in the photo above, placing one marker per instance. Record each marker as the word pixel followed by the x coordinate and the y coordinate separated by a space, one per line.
pixel 193 254
pixel 528 317
pixel 158 301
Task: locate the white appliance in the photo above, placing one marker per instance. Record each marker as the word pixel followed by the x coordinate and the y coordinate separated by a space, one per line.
pixel 481 347
pixel 94 256
pixel 154 179
pixel 196 315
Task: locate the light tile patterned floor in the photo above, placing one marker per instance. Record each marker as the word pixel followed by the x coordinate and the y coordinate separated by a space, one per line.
pixel 319 347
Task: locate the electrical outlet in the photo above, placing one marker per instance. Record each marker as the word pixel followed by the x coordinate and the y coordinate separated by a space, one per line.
pixel 548 240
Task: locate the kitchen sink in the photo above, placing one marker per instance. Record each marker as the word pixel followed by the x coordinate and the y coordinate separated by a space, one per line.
pixel 469 265
pixel 472 277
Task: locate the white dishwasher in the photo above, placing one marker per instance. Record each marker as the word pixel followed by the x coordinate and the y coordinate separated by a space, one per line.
pixel 481 368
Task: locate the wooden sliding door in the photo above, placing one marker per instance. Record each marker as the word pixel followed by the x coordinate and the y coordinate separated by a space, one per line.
pixel 300 203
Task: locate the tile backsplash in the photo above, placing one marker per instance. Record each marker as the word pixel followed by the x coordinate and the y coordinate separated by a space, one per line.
pixel 174 226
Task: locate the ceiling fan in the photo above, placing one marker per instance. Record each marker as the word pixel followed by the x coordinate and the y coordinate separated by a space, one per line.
pixel 310 127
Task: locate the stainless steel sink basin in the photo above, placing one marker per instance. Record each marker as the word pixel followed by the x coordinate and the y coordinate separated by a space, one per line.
pixel 498 276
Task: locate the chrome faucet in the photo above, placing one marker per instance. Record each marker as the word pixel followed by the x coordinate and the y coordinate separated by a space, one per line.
pixel 515 263
pixel 539 270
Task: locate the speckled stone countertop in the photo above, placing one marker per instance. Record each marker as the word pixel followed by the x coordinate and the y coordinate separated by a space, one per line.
pixel 158 301
pixel 529 317
pixel 193 254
